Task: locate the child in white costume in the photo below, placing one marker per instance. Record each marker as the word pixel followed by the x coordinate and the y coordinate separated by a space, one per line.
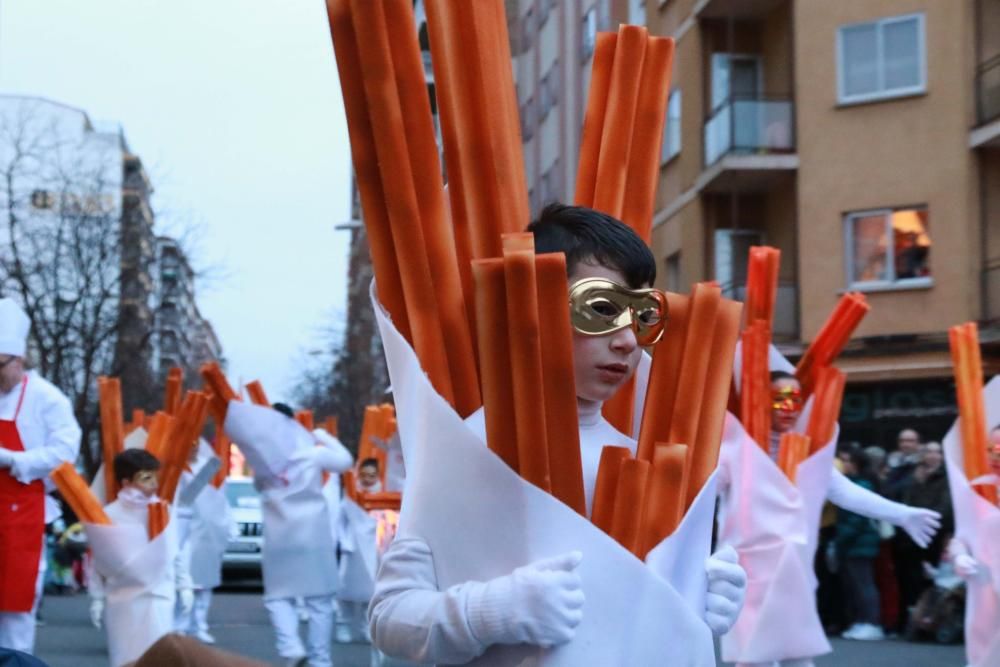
pixel 356 535
pixel 135 580
pixel 299 547
pixel 774 524
pixel 542 602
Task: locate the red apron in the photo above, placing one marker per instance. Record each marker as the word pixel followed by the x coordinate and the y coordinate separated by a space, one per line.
pixel 22 524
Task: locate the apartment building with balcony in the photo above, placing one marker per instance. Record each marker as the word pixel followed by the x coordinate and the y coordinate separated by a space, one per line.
pixel 862 138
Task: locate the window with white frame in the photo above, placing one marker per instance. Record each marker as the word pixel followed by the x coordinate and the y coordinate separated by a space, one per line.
pixel 888 248
pixel 732 248
pixel 881 59
pixel 672 130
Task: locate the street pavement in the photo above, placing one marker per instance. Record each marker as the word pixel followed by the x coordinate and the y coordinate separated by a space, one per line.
pixel 239 623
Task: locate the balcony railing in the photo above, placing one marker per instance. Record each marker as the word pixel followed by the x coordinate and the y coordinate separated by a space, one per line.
pixel 988 90
pixel 750 126
pixel 786 309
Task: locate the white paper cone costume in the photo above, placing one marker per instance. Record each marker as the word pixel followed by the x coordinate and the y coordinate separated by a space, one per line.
pixel 477 519
pixel 137 577
pixel 977 526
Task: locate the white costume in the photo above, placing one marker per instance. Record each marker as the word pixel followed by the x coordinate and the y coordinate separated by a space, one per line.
pixel 134 580
pixel 976 547
pixel 299 550
pixel 478 606
pixel 774 526
pixel 38 415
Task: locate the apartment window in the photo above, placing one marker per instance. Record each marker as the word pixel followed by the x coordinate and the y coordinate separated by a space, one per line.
pixel 888 248
pixel 528 119
pixel 881 59
pixel 589 34
pixel 674 272
pixel 732 248
pixel 42 199
pixel 672 131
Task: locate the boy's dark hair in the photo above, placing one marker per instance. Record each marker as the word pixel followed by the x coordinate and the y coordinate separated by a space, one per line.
pixel 284 409
pixel 369 462
pixel 131 461
pixel 584 234
pixel 782 375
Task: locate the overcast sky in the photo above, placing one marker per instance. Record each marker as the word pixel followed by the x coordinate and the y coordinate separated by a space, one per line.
pixel 234 107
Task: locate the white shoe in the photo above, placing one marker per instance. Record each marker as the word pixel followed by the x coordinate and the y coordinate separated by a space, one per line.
pixel 204 637
pixel 868 632
pixel 342 635
pixel 851 631
pixel 301 661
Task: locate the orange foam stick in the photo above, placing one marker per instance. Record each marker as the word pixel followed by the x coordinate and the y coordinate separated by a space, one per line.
pixel 593 118
pixel 381 500
pixel 330 424
pixel 221 391
pixel 421 143
pixel 349 483
pixel 968 367
pixel 109 392
pixel 160 427
pixel 524 331
pixel 158 518
pixel 762 284
pixel 630 504
pixel 619 410
pixel 793 448
pixel 565 464
pixel 256 393
pixel 704 456
pixel 138 420
pixel 705 300
pixel 369 182
pixel 223 449
pixel 755 384
pixel 182 439
pixel 396 169
pixel 172 394
pixel 664 374
pixel 369 428
pixel 668 484
pixel 647 136
pixel 827 400
pixel 305 417
pixel 608 471
pixel 831 339
pixel 78 495
pixel 494 359
pixel 619 120
pixel 474 81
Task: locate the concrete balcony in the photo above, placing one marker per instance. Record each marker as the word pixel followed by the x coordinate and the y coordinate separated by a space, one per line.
pixel 986 134
pixel 736 9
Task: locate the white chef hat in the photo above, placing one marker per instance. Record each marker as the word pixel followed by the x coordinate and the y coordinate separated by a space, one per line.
pixel 14 327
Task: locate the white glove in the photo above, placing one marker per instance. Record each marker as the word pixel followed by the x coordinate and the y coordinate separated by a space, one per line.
pixel 727 588
pixel 186 598
pixel 540 604
pixel 97 612
pixel 967 567
pixel 920 524
pixel 6 458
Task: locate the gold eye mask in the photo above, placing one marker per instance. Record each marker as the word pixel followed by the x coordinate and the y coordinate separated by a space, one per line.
pixel 788 399
pixel 598 306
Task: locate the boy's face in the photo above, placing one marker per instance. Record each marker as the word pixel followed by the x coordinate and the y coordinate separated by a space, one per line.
pixel 368 476
pixel 786 404
pixel 602 364
pixel 147 481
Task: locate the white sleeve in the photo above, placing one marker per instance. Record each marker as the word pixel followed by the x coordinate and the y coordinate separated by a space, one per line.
pixel 95 582
pixel 182 567
pixel 412 620
pixel 854 498
pixel 62 442
pixel 332 456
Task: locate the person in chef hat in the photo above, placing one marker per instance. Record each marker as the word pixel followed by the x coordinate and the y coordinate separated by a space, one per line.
pixel 38 432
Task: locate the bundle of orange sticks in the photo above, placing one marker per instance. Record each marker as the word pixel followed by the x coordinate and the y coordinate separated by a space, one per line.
pixel 755 383
pixel 529 408
pixel 109 393
pixel 831 339
pixel 762 285
pixel 400 182
pixel 182 439
pixel 159 517
pixel 223 449
pixel 379 422
pixel 968 363
pixel 256 393
pixel 618 169
pixel 160 427
pixel 78 496
pixel 793 449
pixel 219 391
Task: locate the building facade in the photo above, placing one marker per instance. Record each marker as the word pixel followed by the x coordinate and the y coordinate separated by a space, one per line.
pixel 862 138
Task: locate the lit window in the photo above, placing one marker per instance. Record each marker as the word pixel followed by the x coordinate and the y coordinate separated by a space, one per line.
pixel 881 59
pixel 873 262
pixel 672 130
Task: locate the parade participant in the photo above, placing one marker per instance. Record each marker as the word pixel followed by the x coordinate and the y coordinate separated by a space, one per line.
pixel 356 535
pixel 209 527
pixel 540 603
pixel 773 524
pixel 368 480
pixel 134 585
pixel 299 549
pixel 38 432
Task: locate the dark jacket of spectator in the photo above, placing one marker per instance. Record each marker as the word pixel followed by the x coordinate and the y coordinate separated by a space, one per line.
pixel 857 536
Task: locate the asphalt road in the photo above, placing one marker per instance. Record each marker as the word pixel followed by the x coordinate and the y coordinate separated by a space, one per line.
pixel 239 623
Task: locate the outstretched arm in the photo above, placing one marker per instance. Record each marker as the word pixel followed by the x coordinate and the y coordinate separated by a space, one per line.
pixel 920 524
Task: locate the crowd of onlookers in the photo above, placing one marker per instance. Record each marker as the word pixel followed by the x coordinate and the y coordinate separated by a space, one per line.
pixel 869 572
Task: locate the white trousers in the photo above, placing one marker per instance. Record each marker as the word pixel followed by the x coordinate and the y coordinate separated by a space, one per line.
pixel 796 662
pixel 197 620
pixel 17 631
pixel 285 620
